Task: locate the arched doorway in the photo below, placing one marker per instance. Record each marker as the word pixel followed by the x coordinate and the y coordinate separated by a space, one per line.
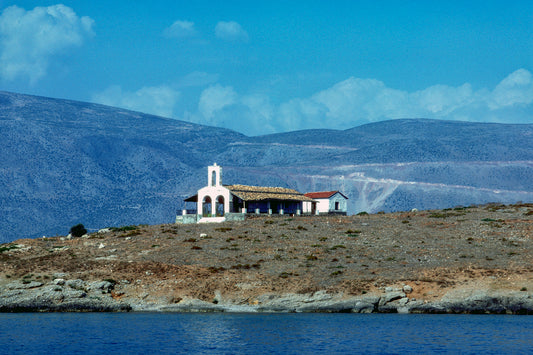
pixel 206 206
pixel 220 206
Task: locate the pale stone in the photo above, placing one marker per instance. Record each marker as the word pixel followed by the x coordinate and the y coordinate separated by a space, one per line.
pixel 407 289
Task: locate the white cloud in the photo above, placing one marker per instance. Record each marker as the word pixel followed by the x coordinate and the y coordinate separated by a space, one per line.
pixel 347 104
pixel 223 107
pixel 516 89
pixel 356 101
pixel 366 100
pixel 230 31
pixel 180 29
pixel 159 100
pixel 30 39
pixel 215 98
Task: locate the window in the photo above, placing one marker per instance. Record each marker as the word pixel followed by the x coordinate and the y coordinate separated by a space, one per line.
pixel 336 206
pixel 214 178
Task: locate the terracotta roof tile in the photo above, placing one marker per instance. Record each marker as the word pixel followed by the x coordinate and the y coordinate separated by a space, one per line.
pixel 323 194
pixel 256 193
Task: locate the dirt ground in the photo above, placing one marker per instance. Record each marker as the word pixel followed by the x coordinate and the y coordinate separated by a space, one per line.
pixel 490 245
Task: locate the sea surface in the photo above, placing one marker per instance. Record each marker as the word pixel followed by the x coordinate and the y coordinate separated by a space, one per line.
pixel 171 333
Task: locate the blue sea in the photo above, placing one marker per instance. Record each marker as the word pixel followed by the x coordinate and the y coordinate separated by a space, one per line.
pixel 174 333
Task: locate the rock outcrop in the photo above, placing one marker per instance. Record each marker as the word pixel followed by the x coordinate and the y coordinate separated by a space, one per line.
pixel 59 296
pixel 76 295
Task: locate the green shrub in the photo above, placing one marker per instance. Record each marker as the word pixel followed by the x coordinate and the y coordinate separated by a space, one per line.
pixel 446 214
pixel 124 228
pixel 241 267
pixel 350 231
pixel 8 247
pixel 132 233
pixel 285 274
pixel 438 215
pixel 78 230
pixel 491 220
pixel 223 229
pixel 215 269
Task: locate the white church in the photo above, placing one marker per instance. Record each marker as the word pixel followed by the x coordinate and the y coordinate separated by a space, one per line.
pixel 217 202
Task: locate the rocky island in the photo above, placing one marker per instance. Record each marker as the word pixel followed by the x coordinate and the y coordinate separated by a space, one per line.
pixel 476 259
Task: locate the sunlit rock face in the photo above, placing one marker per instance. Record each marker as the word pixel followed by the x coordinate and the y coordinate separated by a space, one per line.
pixel 64 162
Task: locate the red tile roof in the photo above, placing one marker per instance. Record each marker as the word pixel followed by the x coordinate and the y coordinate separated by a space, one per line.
pixel 321 194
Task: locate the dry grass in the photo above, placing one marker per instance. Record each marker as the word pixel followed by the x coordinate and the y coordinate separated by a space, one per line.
pixel 353 254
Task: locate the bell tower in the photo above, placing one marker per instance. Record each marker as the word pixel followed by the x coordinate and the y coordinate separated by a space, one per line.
pixel 214 175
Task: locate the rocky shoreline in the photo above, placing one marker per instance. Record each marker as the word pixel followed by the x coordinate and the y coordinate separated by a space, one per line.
pixel 75 295
pixel 473 259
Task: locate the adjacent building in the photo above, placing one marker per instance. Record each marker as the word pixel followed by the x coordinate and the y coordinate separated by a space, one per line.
pixel 326 202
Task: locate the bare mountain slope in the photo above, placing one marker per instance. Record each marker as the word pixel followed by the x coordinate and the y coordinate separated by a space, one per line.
pixel 64 162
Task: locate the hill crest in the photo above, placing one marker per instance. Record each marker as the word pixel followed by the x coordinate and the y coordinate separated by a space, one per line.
pixel 67 162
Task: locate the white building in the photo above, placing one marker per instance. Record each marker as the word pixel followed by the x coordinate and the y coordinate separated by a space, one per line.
pixel 217 200
pixel 327 202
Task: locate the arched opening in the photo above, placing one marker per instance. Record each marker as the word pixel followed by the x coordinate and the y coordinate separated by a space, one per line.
pixel 214 178
pixel 220 206
pixel 206 206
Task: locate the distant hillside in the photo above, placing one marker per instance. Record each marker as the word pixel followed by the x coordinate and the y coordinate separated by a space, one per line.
pixel 65 162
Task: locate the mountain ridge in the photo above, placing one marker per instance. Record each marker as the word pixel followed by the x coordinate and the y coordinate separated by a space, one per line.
pixel 65 162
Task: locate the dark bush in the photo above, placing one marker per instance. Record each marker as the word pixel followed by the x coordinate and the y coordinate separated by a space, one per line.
pixel 78 230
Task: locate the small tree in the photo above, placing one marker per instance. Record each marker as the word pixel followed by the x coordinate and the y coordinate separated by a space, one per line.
pixel 78 230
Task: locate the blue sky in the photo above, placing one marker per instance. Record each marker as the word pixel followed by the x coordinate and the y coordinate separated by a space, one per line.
pixel 272 66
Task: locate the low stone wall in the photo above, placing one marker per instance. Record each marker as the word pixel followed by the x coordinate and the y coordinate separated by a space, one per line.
pixel 235 217
pixel 187 219
pixel 194 218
